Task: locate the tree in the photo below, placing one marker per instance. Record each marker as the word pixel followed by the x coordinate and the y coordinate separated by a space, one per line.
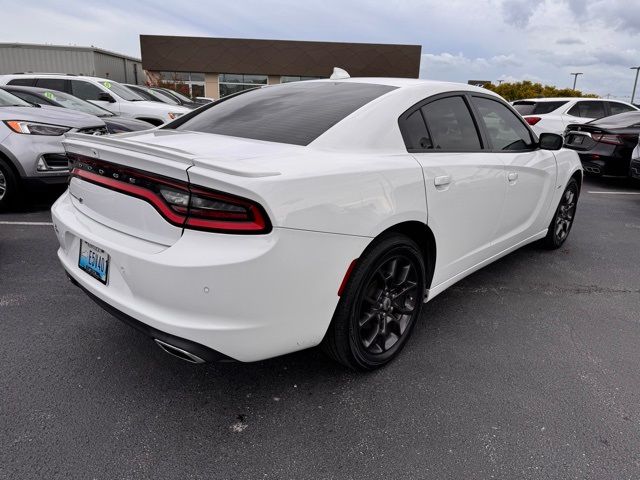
pixel 527 89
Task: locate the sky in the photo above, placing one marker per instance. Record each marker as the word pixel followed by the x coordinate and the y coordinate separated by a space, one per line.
pixel 512 40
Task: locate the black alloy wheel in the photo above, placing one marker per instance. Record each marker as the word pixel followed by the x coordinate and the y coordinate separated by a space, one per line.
pixel 380 305
pixel 562 221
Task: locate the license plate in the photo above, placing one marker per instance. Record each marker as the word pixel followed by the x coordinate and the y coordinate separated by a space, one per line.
pixel 578 139
pixel 94 261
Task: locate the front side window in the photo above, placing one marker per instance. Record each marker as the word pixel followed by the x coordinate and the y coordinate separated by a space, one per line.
pixel 504 129
pixel 296 113
pixel 617 108
pixel 588 110
pixel 85 90
pixel 451 125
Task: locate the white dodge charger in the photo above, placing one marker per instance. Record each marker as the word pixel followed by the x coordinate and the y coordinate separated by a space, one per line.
pixel 319 212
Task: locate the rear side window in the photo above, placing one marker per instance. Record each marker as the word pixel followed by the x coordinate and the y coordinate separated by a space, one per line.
pixel 504 129
pixel 537 108
pixel 587 110
pixel 59 84
pixel 451 125
pixel 85 90
pixel 617 108
pixel 295 113
pixel 25 82
pixel 414 131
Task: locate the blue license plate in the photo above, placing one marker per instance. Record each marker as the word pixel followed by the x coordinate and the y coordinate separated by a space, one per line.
pixel 94 261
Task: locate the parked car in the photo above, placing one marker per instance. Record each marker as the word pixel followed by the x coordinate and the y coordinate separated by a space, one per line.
pixel 318 212
pixel 159 96
pixel 634 170
pixel 182 99
pixel 53 98
pixel 31 151
pixel 605 145
pixel 101 91
pixel 554 114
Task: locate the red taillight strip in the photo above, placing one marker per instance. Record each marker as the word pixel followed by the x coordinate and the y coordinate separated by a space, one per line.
pixel 259 222
pixel 134 191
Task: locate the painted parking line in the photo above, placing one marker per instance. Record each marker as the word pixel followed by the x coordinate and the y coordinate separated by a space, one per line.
pixel 613 193
pixel 48 224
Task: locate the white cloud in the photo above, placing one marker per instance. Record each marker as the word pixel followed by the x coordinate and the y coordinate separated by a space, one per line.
pixel 461 39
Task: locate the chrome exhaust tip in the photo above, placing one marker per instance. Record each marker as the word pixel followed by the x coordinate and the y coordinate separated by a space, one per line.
pixel 178 352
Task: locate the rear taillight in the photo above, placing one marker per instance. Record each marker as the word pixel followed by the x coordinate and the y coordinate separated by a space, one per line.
pixel 608 138
pixel 532 120
pixel 180 203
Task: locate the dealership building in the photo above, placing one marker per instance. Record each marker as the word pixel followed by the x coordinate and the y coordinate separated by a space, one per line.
pixel 216 67
pixel 91 61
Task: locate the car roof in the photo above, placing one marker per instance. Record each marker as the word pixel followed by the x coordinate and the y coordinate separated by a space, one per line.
pixel 569 99
pixel 64 76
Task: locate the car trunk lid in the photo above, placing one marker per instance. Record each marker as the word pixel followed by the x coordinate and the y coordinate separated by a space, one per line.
pixel 99 162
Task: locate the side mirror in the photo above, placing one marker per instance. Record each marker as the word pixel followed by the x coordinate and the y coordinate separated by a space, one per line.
pixel 550 141
pixel 105 97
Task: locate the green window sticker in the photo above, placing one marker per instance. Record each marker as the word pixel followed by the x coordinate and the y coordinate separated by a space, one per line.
pixel 50 95
pixel 107 84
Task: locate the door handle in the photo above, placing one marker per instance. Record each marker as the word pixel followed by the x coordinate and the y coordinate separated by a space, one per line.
pixel 512 176
pixel 442 180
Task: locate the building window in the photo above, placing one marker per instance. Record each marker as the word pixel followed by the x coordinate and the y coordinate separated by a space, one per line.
pixel 186 83
pixel 237 82
pixel 290 78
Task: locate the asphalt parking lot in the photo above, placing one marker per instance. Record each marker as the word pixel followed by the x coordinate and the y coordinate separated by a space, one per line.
pixel 526 369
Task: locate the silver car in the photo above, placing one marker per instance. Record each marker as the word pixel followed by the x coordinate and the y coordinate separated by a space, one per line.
pixel 31 152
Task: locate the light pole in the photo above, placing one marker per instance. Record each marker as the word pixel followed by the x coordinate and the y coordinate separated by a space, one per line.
pixel 575 78
pixel 635 84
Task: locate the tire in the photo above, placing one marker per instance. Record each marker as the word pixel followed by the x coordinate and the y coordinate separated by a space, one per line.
pixel 8 187
pixel 562 220
pixel 380 305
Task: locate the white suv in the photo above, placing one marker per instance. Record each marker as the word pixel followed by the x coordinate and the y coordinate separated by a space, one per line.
pixel 554 114
pixel 103 92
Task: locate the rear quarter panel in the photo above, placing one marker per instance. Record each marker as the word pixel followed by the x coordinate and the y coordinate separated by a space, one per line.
pixel 353 194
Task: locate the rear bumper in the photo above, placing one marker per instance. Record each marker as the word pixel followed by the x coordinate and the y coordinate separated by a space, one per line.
pixel 604 165
pixel 200 351
pixel 245 297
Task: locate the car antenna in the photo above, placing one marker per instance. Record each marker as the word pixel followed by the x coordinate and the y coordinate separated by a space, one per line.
pixel 339 74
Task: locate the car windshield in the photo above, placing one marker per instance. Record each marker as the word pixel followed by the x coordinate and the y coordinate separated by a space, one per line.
pixel 121 91
pixel 163 97
pixel 9 100
pixel 537 108
pixel 74 103
pixel 180 96
pixel 295 113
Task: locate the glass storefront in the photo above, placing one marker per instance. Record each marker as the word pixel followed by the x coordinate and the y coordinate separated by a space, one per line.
pixel 188 83
pixel 236 82
pixel 290 78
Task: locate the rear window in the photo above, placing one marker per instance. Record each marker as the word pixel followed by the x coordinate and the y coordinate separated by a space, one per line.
pixel 295 113
pixel 621 120
pixel 25 82
pixel 537 108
